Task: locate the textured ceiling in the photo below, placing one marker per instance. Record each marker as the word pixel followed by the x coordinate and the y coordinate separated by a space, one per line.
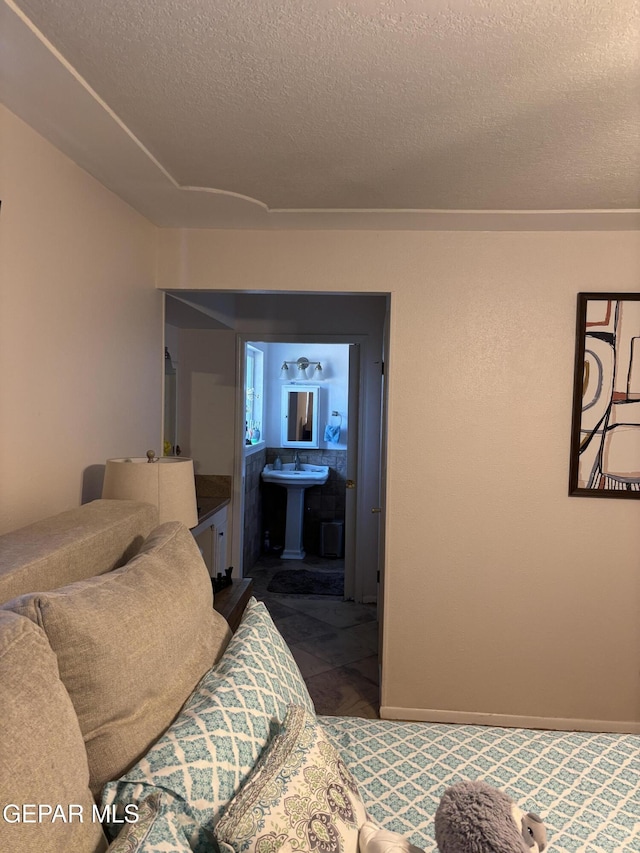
pixel 274 113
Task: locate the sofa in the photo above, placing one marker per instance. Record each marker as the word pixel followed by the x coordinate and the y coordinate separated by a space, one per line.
pixel 134 720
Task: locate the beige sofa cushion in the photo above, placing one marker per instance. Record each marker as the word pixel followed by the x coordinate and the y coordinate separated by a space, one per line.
pixel 132 645
pixel 79 543
pixel 42 755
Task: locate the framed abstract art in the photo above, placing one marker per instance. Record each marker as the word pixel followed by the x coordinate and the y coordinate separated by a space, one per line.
pixel 605 434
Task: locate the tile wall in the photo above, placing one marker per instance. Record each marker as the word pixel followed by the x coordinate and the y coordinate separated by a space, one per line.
pixel 322 503
pixel 253 530
pixel 266 504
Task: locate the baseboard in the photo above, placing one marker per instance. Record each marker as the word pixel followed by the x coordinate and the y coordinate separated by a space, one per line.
pixel 509 721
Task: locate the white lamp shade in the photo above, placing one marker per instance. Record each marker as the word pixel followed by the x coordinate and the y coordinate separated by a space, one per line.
pixel 168 483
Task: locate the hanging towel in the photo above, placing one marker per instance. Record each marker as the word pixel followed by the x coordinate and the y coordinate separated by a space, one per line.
pixel 332 433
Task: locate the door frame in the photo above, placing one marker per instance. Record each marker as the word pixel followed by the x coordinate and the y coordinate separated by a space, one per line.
pixel 351 576
pixel 367 476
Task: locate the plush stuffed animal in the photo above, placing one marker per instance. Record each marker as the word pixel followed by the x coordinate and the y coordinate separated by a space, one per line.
pixel 474 817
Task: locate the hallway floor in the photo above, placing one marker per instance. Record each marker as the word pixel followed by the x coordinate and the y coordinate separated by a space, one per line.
pixel 334 642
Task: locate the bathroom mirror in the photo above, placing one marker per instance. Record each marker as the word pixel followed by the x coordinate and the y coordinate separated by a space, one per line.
pixel 300 415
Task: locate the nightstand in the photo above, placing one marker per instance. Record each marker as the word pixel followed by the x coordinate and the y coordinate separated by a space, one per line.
pixel 231 601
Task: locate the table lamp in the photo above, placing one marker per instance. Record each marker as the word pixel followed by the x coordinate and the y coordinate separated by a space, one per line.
pixel 167 482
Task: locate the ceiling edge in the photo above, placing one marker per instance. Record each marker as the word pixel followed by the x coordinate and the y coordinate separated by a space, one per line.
pixel 43 89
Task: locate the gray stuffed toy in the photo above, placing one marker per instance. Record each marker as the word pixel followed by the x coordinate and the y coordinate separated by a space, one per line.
pixel 474 817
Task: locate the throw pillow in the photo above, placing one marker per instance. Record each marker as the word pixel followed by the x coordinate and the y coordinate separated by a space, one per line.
pixel 159 828
pixel 210 749
pixel 300 797
pixel 156 614
pixel 42 756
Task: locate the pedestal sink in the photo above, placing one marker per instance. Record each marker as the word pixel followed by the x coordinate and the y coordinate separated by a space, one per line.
pixel 295 481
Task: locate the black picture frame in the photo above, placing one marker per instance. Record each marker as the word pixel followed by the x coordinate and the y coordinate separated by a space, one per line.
pixel 605 430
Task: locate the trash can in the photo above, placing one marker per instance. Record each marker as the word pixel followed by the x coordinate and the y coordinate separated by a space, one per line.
pixel 331 538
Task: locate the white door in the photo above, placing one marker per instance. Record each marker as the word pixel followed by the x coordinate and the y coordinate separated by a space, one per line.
pixel 351 492
pixel 382 488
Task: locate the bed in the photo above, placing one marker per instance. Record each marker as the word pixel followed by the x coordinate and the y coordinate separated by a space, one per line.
pixel 585 786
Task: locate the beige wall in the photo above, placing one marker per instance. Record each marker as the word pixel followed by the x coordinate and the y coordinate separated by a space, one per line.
pixel 80 330
pixel 503 595
pixel 207 399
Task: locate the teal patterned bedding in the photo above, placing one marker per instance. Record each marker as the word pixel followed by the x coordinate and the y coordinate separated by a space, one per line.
pixel 586 787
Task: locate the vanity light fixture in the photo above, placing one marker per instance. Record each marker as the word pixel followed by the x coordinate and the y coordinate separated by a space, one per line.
pixel 302 365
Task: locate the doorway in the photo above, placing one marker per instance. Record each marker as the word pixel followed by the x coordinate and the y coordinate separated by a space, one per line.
pixel 205 327
pixel 300 410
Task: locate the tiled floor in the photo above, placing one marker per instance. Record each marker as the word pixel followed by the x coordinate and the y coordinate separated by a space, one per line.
pixel 334 642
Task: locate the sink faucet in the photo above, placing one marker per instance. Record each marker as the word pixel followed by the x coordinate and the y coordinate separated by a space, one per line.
pixel 296 461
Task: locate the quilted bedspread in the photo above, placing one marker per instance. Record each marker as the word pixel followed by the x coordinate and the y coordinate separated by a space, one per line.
pixel 586 787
